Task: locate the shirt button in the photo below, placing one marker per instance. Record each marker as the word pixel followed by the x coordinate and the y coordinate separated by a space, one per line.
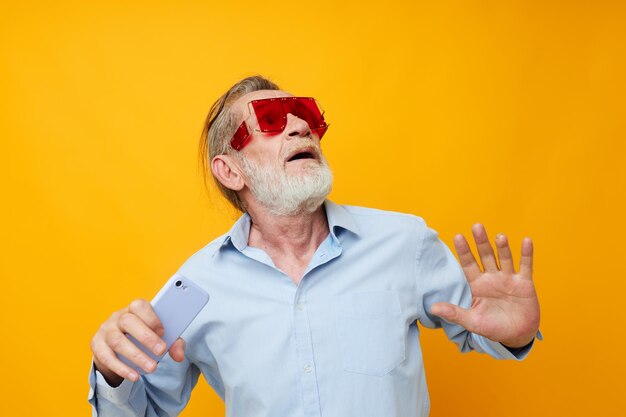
pixel 300 306
pixel 307 368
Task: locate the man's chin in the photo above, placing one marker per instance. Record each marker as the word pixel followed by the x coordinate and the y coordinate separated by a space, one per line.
pixel 295 207
pixel 304 208
pixel 300 189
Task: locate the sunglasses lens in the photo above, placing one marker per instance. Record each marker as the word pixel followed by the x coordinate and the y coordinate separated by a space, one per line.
pixel 270 115
pixel 306 109
pixel 320 131
pixel 240 138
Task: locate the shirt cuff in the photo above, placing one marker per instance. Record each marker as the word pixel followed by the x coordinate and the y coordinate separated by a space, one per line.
pixel 521 352
pixel 117 395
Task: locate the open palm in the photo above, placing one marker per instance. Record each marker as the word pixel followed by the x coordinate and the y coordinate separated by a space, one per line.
pixel 504 306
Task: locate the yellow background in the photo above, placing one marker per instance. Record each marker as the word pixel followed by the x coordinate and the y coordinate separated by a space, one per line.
pixel 509 113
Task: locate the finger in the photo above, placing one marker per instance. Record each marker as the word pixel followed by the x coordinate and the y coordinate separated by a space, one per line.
pixel 468 262
pixel 119 343
pixel 454 314
pixel 485 251
pixel 143 309
pixel 177 350
pixel 105 358
pixel 526 261
pixel 134 326
pixel 504 254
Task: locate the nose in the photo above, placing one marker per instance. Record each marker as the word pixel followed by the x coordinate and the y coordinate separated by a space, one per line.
pixel 296 127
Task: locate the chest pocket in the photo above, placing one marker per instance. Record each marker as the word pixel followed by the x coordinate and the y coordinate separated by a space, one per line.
pixel 370 331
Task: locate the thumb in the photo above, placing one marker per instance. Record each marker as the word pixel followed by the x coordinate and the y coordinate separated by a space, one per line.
pixel 177 350
pixel 453 314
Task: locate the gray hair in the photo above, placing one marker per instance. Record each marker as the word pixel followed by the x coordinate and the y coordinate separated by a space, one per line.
pixel 219 127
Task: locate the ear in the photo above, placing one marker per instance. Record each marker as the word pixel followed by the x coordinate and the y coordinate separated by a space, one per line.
pixel 227 172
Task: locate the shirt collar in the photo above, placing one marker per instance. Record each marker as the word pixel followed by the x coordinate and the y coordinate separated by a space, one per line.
pixel 338 218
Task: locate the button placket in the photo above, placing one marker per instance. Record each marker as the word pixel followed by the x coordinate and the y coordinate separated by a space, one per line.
pixel 304 346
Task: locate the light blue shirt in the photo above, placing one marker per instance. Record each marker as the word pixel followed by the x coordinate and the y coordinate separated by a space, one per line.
pixel 344 342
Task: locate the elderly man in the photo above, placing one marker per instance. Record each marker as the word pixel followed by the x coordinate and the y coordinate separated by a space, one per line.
pixel 314 306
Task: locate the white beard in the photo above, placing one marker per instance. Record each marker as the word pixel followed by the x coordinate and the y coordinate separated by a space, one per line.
pixel 285 195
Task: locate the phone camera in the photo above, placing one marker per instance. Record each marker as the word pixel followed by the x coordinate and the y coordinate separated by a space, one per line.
pixel 179 284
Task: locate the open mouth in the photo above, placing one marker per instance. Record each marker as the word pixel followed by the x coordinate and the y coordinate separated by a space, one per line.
pixel 303 154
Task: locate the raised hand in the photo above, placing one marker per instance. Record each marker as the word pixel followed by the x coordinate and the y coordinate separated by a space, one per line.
pixel 504 306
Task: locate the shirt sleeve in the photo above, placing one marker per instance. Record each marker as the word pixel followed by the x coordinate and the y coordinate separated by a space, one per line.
pixel 165 392
pixel 440 278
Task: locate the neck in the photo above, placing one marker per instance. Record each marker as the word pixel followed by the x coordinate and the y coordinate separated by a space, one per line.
pixel 296 237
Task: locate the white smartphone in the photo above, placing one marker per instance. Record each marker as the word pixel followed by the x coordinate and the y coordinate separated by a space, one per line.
pixel 176 304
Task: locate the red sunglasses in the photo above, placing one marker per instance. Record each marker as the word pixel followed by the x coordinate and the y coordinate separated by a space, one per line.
pixel 269 115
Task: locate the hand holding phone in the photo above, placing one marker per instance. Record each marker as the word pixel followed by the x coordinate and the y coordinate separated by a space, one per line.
pixel 133 340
